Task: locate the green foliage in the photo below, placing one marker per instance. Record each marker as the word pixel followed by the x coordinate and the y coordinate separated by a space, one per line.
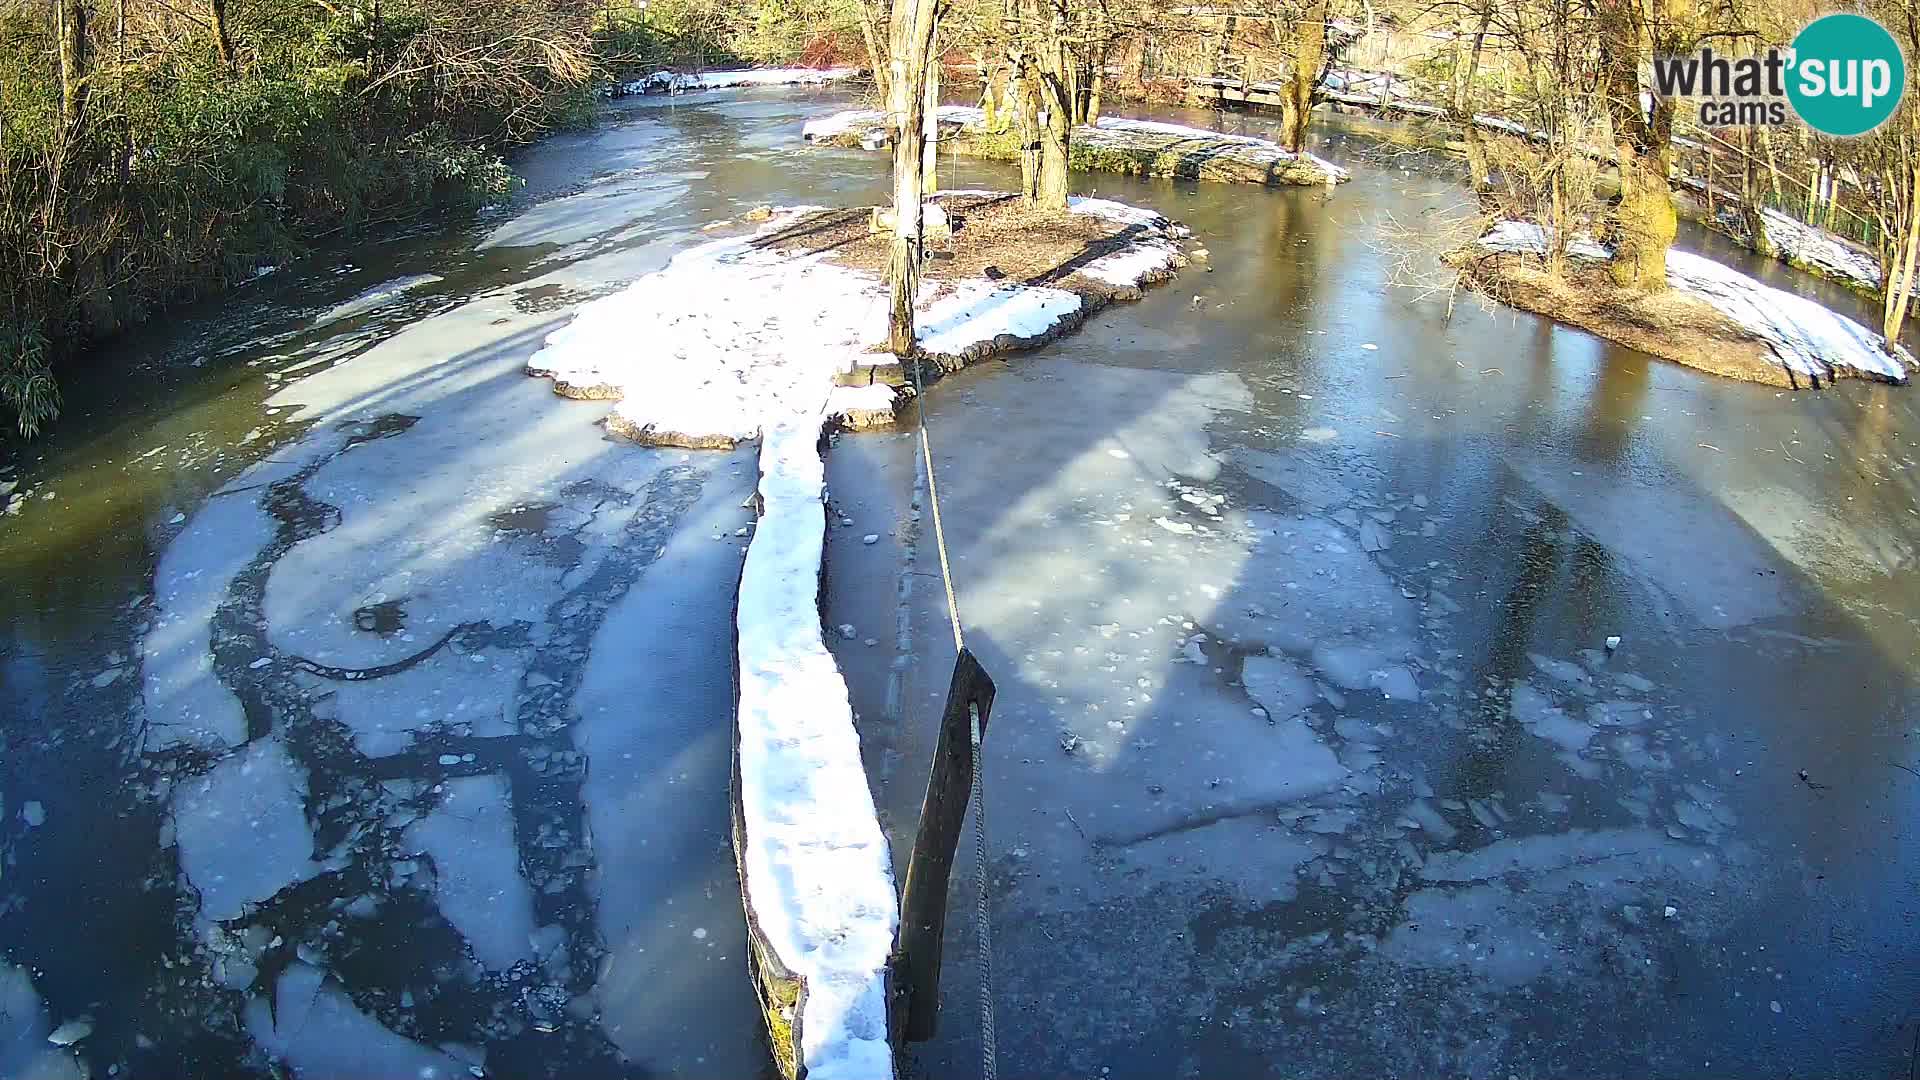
pixel 26 378
pixel 722 33
pixel 184 173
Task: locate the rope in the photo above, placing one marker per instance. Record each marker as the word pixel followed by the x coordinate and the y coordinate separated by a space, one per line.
pixel 933 499
pixel 982 918
pixel 982 922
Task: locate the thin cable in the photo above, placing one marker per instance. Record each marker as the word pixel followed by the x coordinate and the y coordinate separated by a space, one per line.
pixel 982 915
pixel 933 499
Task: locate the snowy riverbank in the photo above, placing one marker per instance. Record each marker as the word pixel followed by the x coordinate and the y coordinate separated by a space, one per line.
pixel 1801 341
pixel 753 336
pixel 1112 144
pixel 673 82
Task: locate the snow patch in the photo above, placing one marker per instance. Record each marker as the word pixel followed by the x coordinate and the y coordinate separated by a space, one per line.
pixel 1108 131
pixel 1807 338
pixel 724 337
pixel 1798 242
pixel 978 311
pixel 670 82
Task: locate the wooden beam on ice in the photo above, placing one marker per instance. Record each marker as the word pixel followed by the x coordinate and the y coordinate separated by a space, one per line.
pixel 923 908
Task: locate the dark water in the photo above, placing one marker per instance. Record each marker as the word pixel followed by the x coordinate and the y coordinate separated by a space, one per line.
pixel 1692 855
pixel 1455 855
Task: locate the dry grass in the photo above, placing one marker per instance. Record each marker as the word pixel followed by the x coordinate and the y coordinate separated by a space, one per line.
pixel 994 236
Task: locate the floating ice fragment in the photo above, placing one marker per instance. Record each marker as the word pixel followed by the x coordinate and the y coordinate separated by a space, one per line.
pixel 80 1027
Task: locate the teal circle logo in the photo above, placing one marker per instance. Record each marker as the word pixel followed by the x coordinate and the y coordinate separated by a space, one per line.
pixel 1846 75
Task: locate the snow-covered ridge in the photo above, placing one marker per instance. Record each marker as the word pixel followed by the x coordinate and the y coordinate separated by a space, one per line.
pixel 1807 338
pixel 664 82
pixel 815 869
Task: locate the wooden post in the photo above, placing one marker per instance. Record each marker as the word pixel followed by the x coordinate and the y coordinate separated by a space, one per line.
pixel 923 907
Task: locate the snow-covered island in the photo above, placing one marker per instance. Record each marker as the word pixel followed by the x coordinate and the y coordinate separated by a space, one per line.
pixel 1711 317
pixel 771 335
pixel 1112 144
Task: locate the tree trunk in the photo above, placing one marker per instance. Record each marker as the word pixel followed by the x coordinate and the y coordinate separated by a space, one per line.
pixel 1026 90
pixel 1773 166
pixel 995 97
pixel 1644 223
pixel 1310 52
pixel 1095 87
pixel 1051 81
pixel 1463 104
pixel 877 59
pixel 1900 286
pixel 221 41
pixel 70 18
pixel 911 47
pixel 1056 134
pixel 1750 214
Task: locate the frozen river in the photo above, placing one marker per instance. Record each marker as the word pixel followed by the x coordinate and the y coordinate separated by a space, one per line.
pixel 367 709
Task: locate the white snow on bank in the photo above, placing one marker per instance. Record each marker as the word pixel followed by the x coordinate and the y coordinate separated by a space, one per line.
pixel 1266 148
pixel 981 310
pixel 676 82
pixel 1113 131
pixel 1151 257
pixel 825 127
pixel 1799 242
pixel 1526 237
pixel 723 338
pixel 817 872
pixel 1806 337
pixel 729 335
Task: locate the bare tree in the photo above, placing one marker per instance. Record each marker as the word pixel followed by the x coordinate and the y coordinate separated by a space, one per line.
pixel 912 30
